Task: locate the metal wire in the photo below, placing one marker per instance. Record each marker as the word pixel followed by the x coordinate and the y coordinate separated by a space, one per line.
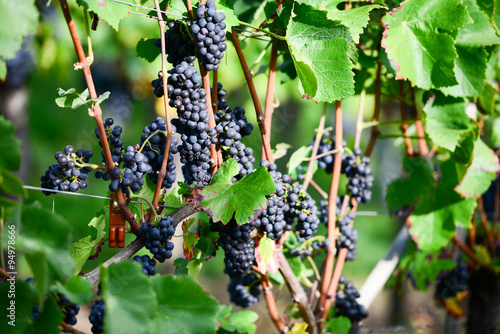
pixel 88 195
pixel 151 9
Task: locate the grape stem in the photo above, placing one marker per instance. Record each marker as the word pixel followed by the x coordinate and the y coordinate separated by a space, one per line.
pixel 470 253
pixel 271 303
pixel 321 310
pixel 170 132
pixel 404 125
pixel 317 140
pixel 269 106
pixel 145 199
pixel 97 112
pixel 70 329
pixel 376 111
pixel 253 93
pixel 165 133
pixel 283 38
pixel 484 220
pixel 422 144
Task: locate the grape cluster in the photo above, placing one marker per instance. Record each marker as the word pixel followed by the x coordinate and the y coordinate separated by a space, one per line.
pixel 302 206
pixel 326 144
pixel 221 100
pixel 69 309
pixel 238 246
pixel 178 44
pixel 453 282
pixel 360 175
pixel 231 127
pixel 65 175
pixel 315 247
pixel 148 264
pixel 209 35
pixel 272 219
pixel 244 292
pixel 157 238
pixel 113 137
pixel 346 304
pixel 96 317
pixel 190 101
pixel 153 150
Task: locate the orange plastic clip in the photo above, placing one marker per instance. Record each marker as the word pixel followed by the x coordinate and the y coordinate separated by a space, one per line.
pixel 116 225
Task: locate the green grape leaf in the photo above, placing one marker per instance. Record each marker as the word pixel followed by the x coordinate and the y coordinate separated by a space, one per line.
pixel 147 50
pixel 481 172
pixel 45 246
pixel 492 9
pixel 244 199
pixel 356 19
pixel 478 33
pixel 190 267
pixel 82 249
pixel 3 69
pixel 173 200
pixel 319 49
pixel 11 184
pixel 10 146
pixel 227 7
pixel 487 100
pixel 180 300
pixel 189 239
pixel 49 319
pixel 130 298
pixel 266 255
pixel 299 328
pixel 298 157
pixel 495 133
pixel 339 325
pixel 438 209
pixel 446 121
pixel 470 71
pixel 425 268
pixel 239 322
pixel 71 99
pixel 78 290
pixel 19 18
pixel 483 254
pixel 110 11
pixel 416 39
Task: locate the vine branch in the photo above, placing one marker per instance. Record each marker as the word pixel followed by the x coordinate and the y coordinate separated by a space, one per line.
pixel 404 116
pixel 269 106
pixel 253 93
pixel 317 140
pixel 271 304
pixel 376 111
pixel 97 112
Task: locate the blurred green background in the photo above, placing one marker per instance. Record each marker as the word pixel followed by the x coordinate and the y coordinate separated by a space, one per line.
pixel 46 63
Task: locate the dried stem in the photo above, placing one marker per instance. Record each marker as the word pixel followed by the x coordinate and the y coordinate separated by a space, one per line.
pixel 317 141
pixel 97 112
pixel 330 256
pixel 271 304
pixel 253 93
pixel 298 293
pixel 137 244
pixel 484 220
pixel 376 111
pixel 70 329
pixel 162 173
pixel 466 249
pixel 404 125
pixel 269 106
pixel 359 123
pixel 422 144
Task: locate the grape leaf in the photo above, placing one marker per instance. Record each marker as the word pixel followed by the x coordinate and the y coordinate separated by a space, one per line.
pixel 487 100
pixel 446 120
pixel 11 184
pixel 130 298
pixel 478 33
pixel 438 208
pixel 82 249
pixel 416 38
pixel 180 300
pixel 265 255
pixel 495 133
pixel 110 11
pixel 146 49
pixel 78 290
pixel 19 18
pixel 189 239
pixel 227 7
pixel 45 246
pixel 492 9
pixel 239 322
pixel 10 146
pixel 173 200
pixel 281 150
pixel 425 268
pixel 244 199
pixel 356 19
pixel 71 99
pixel 319 49
pixel 339 325
pixel 470 71
pixel 25 298
pixel 482 171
